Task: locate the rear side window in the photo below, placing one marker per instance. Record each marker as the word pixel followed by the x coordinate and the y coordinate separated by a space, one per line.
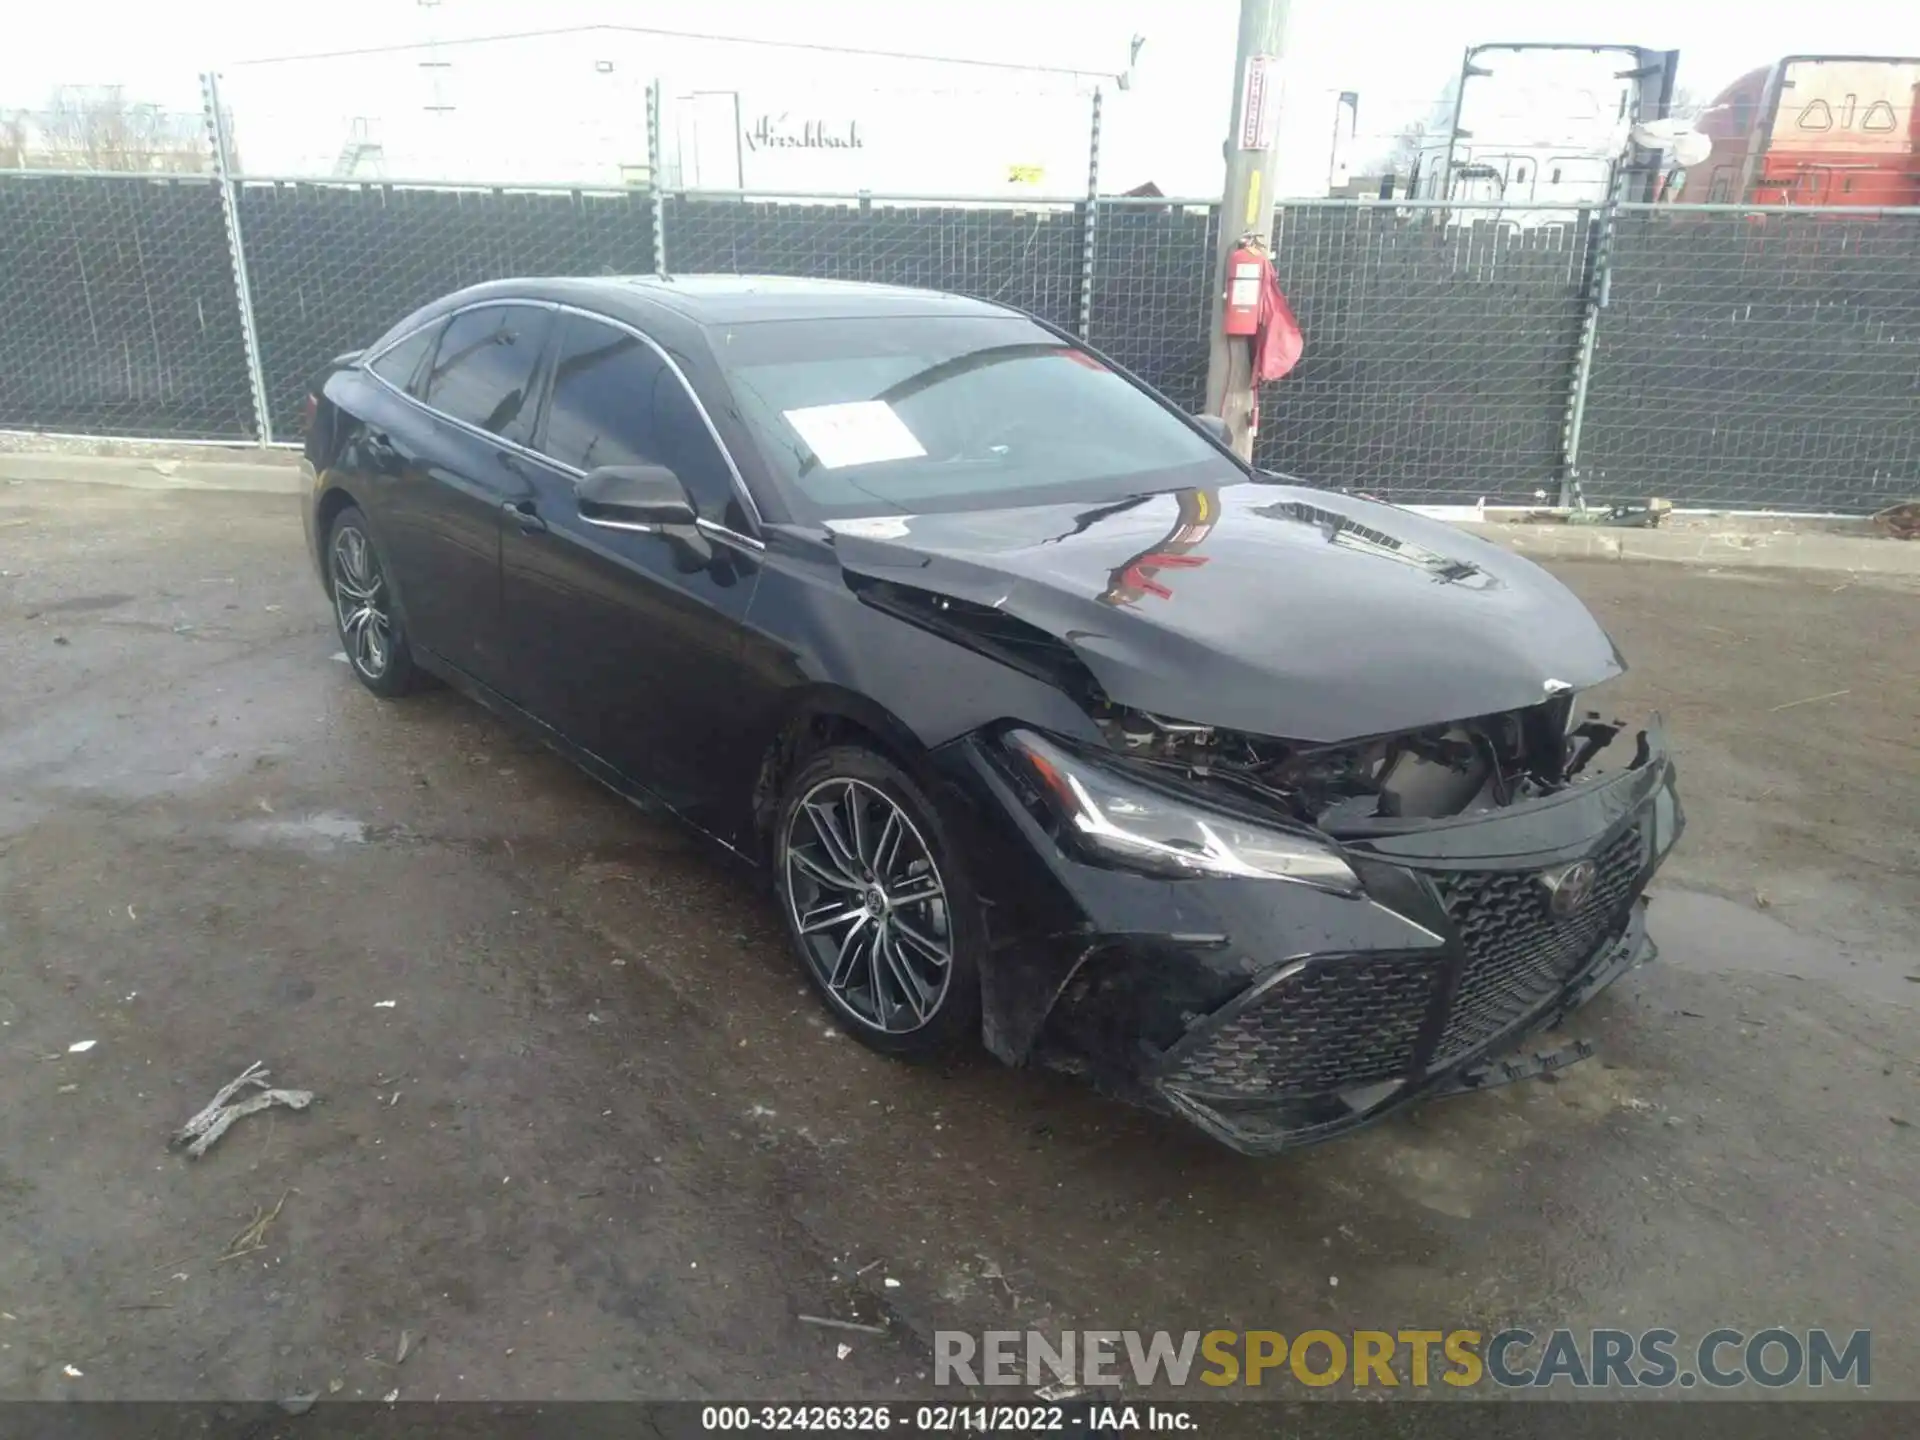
pixel 399 364
pixel 484 371
pixel 616 402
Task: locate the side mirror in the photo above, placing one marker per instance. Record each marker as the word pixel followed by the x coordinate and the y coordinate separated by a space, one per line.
pixel 1215 426
pixel 647 497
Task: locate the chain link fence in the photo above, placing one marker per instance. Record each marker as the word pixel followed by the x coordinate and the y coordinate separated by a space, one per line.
pixel 1152 292
pixel 1758 359
pixel 117 309
pixel 1439 342
pixel 1020 254
pixel 1742 359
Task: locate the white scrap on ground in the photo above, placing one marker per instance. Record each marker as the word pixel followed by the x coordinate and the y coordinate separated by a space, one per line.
pixel 211 1123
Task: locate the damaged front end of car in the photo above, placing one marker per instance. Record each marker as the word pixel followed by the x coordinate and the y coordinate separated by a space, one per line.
pixel 1330 821
pixel 1281 942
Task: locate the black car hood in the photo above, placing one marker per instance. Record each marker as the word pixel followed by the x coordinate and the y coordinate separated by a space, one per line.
pixel 1269 608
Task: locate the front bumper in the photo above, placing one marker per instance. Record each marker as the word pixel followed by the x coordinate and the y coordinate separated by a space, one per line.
pixel 1301 1080
pixel 1272 1014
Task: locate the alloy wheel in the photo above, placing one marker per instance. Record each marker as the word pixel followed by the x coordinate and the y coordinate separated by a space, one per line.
pixel 360 601
pixel 868 905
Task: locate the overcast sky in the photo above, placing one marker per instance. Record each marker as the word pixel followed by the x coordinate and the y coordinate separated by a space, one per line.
pixel 1396 53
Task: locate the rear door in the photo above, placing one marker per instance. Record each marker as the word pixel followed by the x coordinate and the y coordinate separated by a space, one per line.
pixel 453 478
pixel 627 641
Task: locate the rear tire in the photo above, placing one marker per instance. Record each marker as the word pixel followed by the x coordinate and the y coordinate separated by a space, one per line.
pixel 364 613
pixel 878 904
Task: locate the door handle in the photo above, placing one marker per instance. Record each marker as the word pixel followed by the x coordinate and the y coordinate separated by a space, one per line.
pixel 522 513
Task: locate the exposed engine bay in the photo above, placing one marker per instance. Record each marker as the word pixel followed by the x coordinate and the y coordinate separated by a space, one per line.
pixel 1469 766
pixel 1381 783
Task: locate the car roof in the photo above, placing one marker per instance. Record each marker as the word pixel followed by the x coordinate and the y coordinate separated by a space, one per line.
pixel 739 299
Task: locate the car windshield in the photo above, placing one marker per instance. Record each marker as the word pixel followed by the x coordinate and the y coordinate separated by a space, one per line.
pixel 903 415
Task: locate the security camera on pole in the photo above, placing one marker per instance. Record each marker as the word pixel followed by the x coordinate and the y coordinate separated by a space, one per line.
pixel 1246 215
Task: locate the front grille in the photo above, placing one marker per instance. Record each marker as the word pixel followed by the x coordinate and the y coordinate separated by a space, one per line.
pixel 1518 955
pixel 1344 1022
pixel 1336 1023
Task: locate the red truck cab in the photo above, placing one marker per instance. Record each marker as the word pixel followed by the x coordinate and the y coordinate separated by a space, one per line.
pixel 1814 130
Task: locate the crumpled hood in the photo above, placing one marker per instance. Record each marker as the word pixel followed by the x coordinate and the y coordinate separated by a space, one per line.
pixel 1270 608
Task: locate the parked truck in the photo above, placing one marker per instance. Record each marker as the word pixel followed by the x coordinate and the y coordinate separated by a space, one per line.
pixel 1813 130
pixel 1530 124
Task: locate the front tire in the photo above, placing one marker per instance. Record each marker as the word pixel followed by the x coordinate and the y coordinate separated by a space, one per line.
pixel 878 904
pixel 364 613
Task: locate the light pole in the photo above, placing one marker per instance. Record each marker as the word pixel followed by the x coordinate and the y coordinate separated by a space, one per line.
pixel 1247 204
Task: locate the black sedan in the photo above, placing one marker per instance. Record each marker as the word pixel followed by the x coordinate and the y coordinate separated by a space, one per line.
pixel 1052 723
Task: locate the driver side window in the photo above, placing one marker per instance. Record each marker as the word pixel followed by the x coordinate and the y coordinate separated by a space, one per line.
pixel 616 402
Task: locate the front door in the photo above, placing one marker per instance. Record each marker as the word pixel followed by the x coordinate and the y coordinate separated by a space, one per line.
pixel 627 642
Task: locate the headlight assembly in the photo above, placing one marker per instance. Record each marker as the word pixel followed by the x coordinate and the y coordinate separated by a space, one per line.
pixel 1580 708
pixel 1136 827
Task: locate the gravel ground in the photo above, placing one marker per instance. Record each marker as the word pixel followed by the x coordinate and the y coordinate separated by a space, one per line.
pixel 579 1126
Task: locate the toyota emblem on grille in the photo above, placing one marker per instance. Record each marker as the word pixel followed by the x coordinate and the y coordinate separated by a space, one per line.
pixel 1569 888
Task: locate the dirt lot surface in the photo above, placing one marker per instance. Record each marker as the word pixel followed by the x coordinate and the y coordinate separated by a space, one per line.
pixel 579 1127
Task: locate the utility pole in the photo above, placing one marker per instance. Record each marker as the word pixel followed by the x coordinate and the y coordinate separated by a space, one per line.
pixel 1247 206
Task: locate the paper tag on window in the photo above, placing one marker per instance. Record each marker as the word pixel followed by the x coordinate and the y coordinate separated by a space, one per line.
pixel 872 527
pixel 859 432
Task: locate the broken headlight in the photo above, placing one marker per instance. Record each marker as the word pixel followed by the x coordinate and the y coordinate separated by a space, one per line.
pixel 1139 827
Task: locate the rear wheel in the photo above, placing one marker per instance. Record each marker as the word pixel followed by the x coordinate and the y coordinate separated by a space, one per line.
pixel 878 903
pixel 363 610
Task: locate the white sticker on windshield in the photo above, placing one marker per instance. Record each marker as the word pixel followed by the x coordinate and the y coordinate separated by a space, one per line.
pixel 859 432
pixel 872 527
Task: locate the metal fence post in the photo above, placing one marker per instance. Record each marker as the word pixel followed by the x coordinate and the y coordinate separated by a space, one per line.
pixel 1599 289
pixel 1093 220
pixel 236 249
pixel 655 180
